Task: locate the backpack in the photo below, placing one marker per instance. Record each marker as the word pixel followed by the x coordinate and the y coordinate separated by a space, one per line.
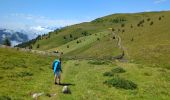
pixel 54 63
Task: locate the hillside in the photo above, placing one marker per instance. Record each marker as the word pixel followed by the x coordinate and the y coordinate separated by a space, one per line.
pixel 120 56
pixel 22 74
pixel 139 32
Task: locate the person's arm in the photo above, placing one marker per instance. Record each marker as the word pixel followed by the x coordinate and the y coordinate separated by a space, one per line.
pixel 60 68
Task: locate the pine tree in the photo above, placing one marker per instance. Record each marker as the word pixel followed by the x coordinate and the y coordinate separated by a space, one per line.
pixel 38 46
pixel 7 42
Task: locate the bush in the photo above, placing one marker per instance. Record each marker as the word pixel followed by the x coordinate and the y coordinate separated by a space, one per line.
pixel 123 31
pixel 24 74
pixel 5 98
pixel 148 19
pixel 38 46
pixel 113 29
pixel 121 83
pixel 71 36
pixel 108 74
pixel 114 71
pixel 123 25
pixel 97 62
pixel 118 70
pixel 64 37
pixel 151 23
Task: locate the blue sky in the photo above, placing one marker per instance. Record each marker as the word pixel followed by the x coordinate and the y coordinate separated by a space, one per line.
pixel 36 14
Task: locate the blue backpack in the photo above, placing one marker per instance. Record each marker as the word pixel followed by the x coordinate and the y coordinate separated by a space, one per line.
pixel 54 63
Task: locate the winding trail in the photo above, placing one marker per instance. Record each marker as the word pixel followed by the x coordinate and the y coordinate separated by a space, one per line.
pixel 119 43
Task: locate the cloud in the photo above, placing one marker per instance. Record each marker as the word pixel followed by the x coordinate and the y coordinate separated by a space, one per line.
pixel 33 23
pixel 39 29
pixel 159 1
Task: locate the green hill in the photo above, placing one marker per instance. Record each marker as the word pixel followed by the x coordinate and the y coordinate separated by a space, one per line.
pixel 141 74
pixel 139 32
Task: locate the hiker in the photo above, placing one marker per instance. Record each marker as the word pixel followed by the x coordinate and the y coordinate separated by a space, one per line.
pixel 56 66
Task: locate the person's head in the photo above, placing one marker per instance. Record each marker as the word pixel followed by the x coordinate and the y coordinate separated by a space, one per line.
pixel 59 59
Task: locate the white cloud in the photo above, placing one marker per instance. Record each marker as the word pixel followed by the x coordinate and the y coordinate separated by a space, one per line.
pixel 32 23
pixel 159 1
pixel 39 29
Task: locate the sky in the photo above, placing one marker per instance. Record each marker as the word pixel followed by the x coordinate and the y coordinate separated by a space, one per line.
pixel 35 15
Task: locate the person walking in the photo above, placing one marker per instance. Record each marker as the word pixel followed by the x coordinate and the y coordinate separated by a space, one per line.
pixel 56 66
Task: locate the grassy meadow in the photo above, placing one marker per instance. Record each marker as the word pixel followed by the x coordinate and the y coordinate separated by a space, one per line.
pixel 143 73
pixel 23 74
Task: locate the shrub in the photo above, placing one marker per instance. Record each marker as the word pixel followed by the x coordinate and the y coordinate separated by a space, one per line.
pixel 148 19
pixel 71 36
pixel 118 70
pixel 151 23
pixel 122 25
pixel 24 74
pixel 64 37
pixel 121 83
pixel 98 39
pixel 160 18
pixel 113 29
pixel 85 33
pixel 123 31
pixel 38 46
pixel 114 71
pixel 5 98
pixel 97 62
pixel 67 46
pixel 108 74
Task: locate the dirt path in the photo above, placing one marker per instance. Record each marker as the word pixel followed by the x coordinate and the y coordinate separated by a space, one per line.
pixel 119 43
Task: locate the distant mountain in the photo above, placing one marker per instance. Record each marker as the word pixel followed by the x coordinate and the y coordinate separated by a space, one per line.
pixel 15 37
pixel 18 36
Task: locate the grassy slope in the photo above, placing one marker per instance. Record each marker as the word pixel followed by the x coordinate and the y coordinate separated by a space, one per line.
pixel 151 43
pixel 23 74
pixel 153 39
pixel 87 80
pixel 146 69
pixel 91 47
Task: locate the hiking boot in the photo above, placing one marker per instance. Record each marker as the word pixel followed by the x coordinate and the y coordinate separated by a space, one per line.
pixel 56 83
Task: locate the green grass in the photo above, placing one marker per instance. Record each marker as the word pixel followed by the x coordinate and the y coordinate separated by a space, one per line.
pixel 137 40
pixel 23 74
pixel 147 49
pixel 87 80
